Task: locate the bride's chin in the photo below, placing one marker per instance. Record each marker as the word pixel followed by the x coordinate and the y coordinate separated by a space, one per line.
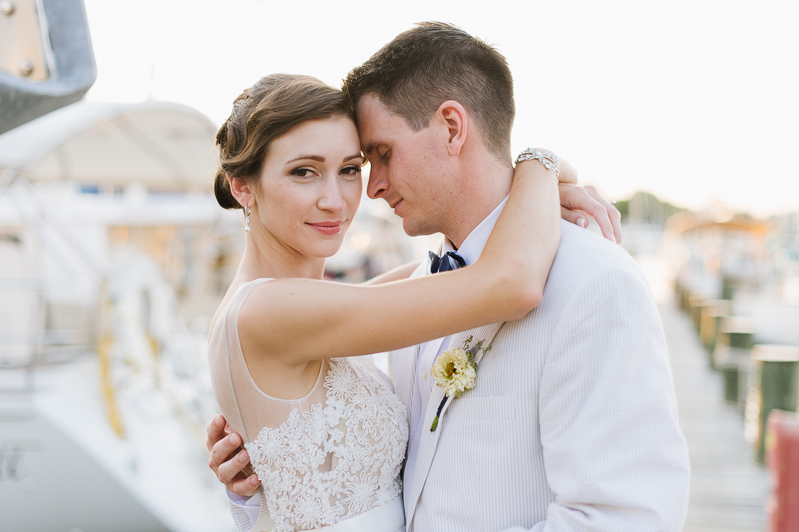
pixel 325 252
pixel 325 255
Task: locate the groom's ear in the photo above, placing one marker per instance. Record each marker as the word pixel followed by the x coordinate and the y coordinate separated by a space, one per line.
pixel 454 118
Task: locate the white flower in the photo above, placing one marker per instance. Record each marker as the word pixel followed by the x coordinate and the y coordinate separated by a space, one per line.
pixel 308 512
pixel 270 445
pixel 275 482
pixel 316 423
pixel 454 372
pixel 336 409
pixel 341 381
pixel 362 494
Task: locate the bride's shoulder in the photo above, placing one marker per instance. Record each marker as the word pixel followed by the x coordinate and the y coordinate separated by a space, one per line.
pixel 237 293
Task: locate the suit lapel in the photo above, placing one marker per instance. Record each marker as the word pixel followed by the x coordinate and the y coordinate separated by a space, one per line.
pixel 429 440
pixel 401 366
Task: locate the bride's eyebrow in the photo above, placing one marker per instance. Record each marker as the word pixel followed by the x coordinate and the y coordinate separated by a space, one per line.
pixel 317 158
pixel 321 159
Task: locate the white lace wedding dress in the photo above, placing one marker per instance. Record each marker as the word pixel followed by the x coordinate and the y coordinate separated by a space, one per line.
pixel 330 460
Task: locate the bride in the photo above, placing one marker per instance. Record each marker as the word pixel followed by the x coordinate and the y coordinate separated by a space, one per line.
pixel 321 426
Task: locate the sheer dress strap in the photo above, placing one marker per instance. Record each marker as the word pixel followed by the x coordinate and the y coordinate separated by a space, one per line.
pixel 226 358
pixel 248 408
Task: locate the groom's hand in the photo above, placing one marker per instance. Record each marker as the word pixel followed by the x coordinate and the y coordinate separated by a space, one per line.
pixel 229 460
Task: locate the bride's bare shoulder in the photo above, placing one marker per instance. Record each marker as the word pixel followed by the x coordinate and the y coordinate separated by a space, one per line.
pixel 231 292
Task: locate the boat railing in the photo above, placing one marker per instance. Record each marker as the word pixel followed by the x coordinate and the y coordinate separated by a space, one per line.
pixel 39 329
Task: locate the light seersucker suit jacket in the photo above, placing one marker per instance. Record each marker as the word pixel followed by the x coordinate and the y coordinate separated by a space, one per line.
pixel 572 424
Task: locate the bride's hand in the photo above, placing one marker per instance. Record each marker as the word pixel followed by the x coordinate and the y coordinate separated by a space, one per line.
pixel 579 202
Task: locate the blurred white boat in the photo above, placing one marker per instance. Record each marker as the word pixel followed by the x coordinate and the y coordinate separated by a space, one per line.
pixel 107 237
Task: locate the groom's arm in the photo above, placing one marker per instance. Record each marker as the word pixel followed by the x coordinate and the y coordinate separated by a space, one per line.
pixel 613 451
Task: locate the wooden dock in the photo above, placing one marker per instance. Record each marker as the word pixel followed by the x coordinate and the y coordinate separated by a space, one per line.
pixel 728 488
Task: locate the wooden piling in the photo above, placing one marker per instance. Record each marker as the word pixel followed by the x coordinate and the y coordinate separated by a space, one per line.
pixel 777 387
pixel 709 324
pixel 695 302
pixel 731 357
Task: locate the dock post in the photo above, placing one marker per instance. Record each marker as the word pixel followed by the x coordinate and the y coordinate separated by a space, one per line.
pixel 695 302
pixel 712 313
pixel 707 327
pixel 778 369
pixel 731 356
pixel 782 452
pixel 729 285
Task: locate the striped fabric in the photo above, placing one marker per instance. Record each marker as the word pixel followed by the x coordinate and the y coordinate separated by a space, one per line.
pixel 573 422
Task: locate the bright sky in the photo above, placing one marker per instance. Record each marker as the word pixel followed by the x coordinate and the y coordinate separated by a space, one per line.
pixel 695 101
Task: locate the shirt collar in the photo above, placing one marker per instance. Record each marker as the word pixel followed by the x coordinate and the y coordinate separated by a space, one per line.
pixel 473 246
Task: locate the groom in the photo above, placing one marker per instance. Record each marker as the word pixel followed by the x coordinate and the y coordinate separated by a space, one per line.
pixel 572 424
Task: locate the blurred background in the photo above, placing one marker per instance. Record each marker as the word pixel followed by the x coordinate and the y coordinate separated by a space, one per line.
pixel 114 254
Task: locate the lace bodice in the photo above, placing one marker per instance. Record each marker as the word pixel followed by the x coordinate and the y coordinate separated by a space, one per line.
pixel 334 454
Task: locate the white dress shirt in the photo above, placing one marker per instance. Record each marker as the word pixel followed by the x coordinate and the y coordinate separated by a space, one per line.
pixel 423 383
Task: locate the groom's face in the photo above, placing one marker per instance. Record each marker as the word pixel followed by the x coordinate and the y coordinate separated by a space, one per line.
pixel 409 169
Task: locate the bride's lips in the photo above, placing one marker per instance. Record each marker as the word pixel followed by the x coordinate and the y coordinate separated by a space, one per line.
pixel 328 228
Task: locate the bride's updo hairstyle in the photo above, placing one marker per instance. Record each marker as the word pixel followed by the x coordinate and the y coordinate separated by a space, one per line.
pixel 270 108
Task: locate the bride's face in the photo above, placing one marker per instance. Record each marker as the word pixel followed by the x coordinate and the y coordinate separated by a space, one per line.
pixel 310 186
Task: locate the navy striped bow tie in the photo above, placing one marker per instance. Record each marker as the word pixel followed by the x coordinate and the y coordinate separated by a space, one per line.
pixel 450 261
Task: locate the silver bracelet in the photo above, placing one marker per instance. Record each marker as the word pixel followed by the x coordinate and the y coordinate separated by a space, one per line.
pixel 548 160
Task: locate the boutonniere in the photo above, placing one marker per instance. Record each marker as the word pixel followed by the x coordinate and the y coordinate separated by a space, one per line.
pixel 455 371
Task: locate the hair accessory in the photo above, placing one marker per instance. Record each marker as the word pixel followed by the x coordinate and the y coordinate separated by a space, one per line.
pixel 247 211
pixel 549 160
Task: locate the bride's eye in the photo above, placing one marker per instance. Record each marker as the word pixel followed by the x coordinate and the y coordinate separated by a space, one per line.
pixel 303 172
pixel 351 171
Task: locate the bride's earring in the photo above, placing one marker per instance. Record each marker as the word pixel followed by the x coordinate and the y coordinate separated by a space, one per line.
pixel 247 219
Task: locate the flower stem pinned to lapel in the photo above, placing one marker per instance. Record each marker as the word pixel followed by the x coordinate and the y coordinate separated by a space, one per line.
pixel 456 371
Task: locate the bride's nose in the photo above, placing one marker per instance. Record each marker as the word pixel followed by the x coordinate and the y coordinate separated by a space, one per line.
pixel 332 198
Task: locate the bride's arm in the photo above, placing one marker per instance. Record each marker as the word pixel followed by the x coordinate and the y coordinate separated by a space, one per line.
pixel 577 204
pixel 397 274
pixel 296 320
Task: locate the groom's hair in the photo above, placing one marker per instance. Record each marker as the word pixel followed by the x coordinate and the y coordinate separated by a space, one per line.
pixel 435 62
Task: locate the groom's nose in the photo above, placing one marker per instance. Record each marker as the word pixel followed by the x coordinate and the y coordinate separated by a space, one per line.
pixel 378 183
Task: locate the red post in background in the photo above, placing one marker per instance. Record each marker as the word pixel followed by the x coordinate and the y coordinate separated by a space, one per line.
pixel 782 448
